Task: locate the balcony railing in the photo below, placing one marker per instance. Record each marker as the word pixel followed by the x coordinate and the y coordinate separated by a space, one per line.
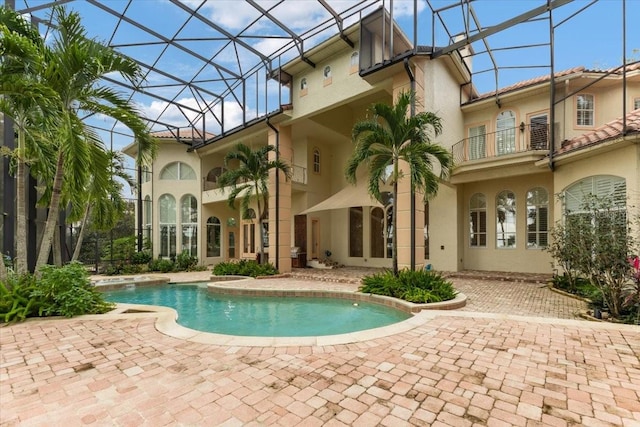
pixel 299 174
pixel 520 139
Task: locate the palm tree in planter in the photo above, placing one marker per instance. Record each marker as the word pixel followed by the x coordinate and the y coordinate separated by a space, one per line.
pixel 390 136
pixel 75 67
pixel 250 179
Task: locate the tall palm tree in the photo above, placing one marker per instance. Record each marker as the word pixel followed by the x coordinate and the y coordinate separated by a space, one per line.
pixel 31 104
pixel 75 67
pixel 104 202
pixel 390 136
pixel 250 180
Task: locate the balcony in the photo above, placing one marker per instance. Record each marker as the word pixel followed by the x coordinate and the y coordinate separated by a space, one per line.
pixel 505 153
pixel 522 139
pixel 298 174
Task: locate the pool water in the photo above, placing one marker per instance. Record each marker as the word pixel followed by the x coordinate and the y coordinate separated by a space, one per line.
pixel 261 316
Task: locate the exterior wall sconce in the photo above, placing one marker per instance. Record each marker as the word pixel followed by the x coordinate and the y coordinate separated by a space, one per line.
pixel 522 126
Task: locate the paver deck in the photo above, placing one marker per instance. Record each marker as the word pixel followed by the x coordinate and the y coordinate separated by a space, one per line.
pixel 460 368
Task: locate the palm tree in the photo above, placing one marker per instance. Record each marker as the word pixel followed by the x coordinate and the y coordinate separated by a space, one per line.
pixel 391 136
pixel 104 196
pixel 250 179
pixel 74 69
pixel 32 106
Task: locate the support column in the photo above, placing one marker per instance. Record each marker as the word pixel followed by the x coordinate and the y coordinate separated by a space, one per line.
pixel 8 194
pixel 280 219
pixel 405 248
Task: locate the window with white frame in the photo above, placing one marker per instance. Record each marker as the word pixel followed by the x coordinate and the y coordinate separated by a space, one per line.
pixel 506 219
pixel 178 171
pixel 506 133
pixel 604 187
pixel 167 219
pixel 189 223
pixel 477 142
pixel 537 218
pixel 316 160
pixel 584 110
pixel 214 237
pixel 478 220
pixel 249 232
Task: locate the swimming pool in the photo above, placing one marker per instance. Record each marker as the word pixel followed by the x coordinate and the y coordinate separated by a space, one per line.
pixel 260 316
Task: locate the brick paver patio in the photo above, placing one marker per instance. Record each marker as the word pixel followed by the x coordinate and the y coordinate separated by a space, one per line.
pixel 460 368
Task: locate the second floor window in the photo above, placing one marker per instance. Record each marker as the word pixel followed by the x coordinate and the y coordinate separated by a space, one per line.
pixel 178 171
pixel 316 160
pixel 584 110
pixel 477 145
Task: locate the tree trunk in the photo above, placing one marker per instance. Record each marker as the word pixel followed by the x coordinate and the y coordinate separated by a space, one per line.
pixel 3 269
pixel 76 251
pixel 260 214
pixel 57 247
pixel 21 215
pixel 394 238
pixel 52 216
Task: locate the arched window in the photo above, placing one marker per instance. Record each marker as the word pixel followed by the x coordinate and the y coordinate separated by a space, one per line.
pixel 189 223
pixel 214 237
pixel 316 160
pixel 478 220
pixel 178 171
pixel 377 233
pixel 506 133
pixel 212 177
pixel 537 218
pixel 167 204
pixel 604 187
pixel 506 219
pixel 355 232
pixel 355 62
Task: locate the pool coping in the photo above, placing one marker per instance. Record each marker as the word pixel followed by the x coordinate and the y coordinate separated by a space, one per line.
pixel 166 317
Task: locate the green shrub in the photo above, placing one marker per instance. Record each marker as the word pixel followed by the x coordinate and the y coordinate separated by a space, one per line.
pixel 139 258
pixel 67 291
pixel 244 267
pixel 186 262
pixel 417 286
pixel 16 303
pixel 162 265
pixel 61 291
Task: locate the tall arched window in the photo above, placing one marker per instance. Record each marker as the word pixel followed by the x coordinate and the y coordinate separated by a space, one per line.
pixel 377 233
pixel 355 232
pixel 167 204
pixel 214 237
pixel 212 177
pixel 537 218
pixel 355 62
pixel 178 171
pixel 189 223
pixel 607 187
pixel 506 219
pixel 478 220
pixel 506 133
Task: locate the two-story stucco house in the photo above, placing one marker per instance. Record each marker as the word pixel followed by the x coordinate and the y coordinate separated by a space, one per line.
pixel 514 151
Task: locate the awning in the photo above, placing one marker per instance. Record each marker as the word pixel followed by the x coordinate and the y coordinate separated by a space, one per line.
pixel 351 195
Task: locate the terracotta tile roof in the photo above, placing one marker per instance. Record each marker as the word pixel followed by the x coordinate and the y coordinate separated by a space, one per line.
pixel 616 71
pixel 606 132
pixel 186 134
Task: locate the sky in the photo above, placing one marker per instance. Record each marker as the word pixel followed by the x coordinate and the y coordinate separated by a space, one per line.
pixel 592 37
